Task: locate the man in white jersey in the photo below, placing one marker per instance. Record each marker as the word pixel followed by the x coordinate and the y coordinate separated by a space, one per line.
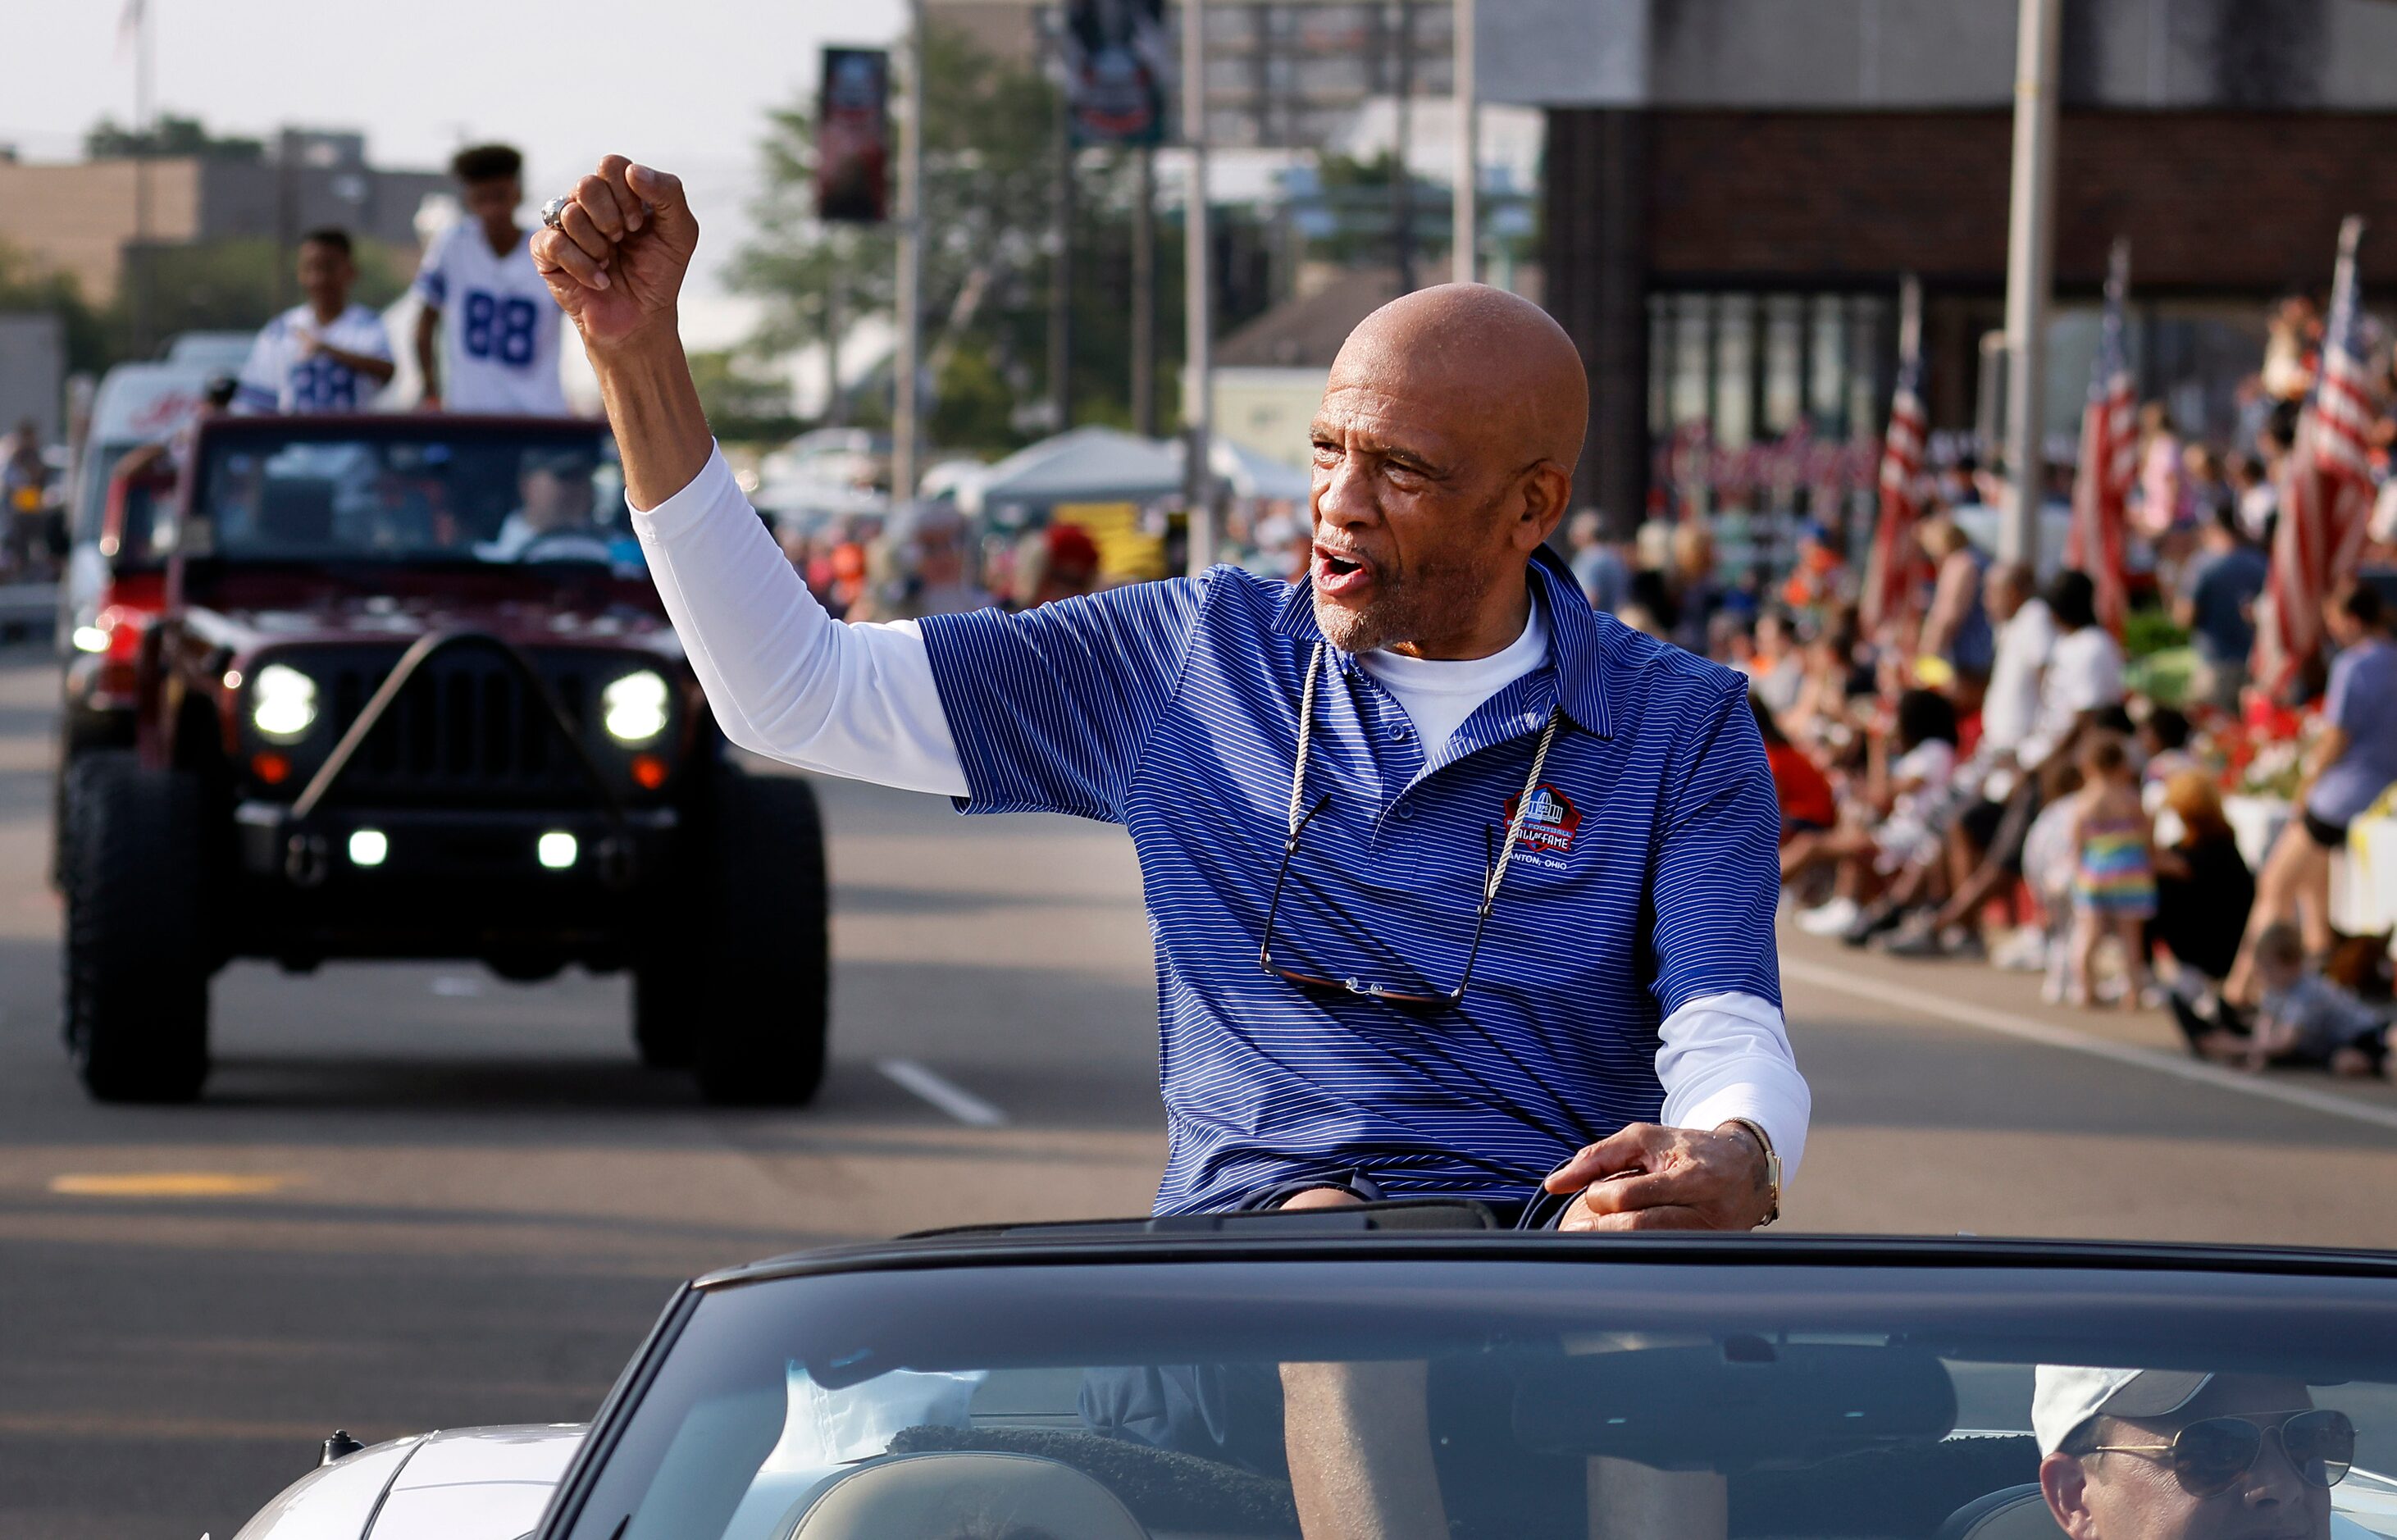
pixel 324 354
pixel 483 299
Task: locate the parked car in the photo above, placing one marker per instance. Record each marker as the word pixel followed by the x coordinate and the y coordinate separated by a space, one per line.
pixel 1403 1367
pixel 410 694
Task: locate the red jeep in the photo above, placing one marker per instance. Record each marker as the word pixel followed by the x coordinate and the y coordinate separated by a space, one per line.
pixel 410 693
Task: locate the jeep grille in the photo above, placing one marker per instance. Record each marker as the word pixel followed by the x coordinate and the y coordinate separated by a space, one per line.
pixel 465 726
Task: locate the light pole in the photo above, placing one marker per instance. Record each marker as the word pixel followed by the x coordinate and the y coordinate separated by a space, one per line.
pixel 1197 404
pixel 904 434
pixel 1465 211
pixel 2031 250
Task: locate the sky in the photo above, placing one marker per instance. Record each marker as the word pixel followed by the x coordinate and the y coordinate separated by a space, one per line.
pixel 684 85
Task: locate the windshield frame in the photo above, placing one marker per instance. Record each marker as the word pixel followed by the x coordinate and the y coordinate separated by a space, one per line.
pixel 193 535
pixel 1911 1273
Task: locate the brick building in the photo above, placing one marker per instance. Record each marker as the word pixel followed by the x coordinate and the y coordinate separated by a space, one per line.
pixel 83 218
pixel 1733 188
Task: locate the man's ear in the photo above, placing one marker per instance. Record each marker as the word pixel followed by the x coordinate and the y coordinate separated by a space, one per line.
pixel 1547 492
pixel 2064 1482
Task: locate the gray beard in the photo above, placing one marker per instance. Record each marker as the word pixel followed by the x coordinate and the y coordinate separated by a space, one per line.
pixel 1404 614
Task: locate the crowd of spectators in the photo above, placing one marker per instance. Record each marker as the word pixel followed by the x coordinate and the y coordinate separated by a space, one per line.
pixel 1988 775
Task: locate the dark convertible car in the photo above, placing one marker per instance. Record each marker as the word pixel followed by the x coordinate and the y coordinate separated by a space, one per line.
pixel 1398 1372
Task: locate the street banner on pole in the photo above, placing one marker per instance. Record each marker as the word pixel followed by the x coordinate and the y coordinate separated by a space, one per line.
pixel 1893 571
pixel 2325 487
pixel 853 136
pixel 2109 456
pixel 1116 59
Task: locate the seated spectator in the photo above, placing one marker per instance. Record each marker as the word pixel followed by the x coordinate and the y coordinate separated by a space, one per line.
pixel 1908 793
pixel 1838 673
pixel 2081 680
pixel 2203 889
pixel 1605 579
pixel 2114 885
pixel 2304 1020
pixel 1776 664
pixel 2346 771
pixel 1804 792
pixel 2162 739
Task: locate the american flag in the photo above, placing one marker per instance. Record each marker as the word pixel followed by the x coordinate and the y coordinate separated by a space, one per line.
pixel 2325 487
pixel 2109 458
pixel 1892 573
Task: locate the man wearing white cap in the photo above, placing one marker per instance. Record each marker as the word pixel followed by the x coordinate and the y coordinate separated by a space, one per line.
pixel 2162 1454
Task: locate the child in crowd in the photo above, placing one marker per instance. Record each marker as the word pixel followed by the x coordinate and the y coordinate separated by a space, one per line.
pixel 2049 863
pixel 2304 1019
pixel 1913 789
pixel 2163 744
pixel 2114 886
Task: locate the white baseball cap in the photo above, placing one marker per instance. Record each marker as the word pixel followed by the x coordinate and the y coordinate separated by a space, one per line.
pixel 2065 1396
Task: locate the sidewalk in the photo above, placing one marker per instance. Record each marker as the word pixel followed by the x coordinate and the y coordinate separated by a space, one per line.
pixel 1977 996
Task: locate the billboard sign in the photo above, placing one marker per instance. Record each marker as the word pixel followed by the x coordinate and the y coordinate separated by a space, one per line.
pixel 1117 60
pixel 853 136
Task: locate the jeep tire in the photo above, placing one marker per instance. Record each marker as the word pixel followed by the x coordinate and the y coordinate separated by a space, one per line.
pixel 138 962
pixel 739 991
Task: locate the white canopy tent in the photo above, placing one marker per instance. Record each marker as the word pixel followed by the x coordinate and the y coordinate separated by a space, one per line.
pixel 1105 466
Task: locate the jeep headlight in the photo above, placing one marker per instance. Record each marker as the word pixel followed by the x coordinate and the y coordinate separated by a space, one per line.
pixel 281 702
pixel 633 709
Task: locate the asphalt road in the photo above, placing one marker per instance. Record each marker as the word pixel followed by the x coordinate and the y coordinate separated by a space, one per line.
pixel 416 1196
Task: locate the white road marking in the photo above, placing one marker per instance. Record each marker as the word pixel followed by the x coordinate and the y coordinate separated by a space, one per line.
pixel 960 1103
pixel 457 986
pixel 2066 1037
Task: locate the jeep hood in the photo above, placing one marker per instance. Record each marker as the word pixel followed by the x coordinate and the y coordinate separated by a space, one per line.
pixel 245 624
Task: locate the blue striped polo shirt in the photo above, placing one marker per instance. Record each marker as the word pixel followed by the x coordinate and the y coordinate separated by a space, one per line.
pixel 1646 877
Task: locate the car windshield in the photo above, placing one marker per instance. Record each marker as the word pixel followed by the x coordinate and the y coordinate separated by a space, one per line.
pixel 1515 1398
pixel 474 496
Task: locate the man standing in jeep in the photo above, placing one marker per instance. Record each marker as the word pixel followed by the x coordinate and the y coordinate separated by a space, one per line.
pixel 482 296
pixel 324 354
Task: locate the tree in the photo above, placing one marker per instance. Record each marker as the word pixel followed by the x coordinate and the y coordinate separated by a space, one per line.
pixel 232 285
pixel 989 179
pixel 24 287
pixel 172 136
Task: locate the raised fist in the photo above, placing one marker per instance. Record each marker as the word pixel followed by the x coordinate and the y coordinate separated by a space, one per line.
pixel 617 259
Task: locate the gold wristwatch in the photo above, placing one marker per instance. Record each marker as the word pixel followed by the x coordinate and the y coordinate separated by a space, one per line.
pixel 1771 1166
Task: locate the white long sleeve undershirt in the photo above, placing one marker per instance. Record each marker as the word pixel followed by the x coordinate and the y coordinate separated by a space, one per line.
pixel 788 681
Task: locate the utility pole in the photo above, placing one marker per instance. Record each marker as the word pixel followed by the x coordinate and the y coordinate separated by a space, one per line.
pixel 1061 270
pixel 1143 296
pixel 145 130
pixel 904 437
pixel 1465 202
pixel 2031 250
pixel 1402 180
pixel 1198 391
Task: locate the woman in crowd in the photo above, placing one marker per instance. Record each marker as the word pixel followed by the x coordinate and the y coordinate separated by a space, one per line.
pixel 1957 627
pixel 2203 889
pixel 2345 773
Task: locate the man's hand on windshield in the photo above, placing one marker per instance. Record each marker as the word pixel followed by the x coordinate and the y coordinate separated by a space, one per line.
pixel 1647 1177
pixel 617 259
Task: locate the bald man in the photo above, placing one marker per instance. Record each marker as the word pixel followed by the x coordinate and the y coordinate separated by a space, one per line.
pixel 1458 888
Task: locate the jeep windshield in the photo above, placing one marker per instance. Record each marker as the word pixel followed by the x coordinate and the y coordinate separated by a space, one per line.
pixel 1506 1398
pixel 411 489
